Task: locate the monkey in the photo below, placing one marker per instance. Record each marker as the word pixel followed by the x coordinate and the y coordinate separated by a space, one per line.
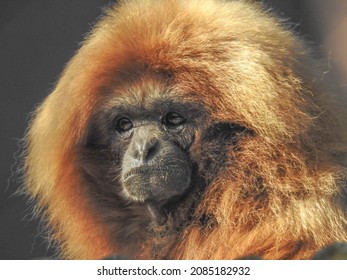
pixel 190 130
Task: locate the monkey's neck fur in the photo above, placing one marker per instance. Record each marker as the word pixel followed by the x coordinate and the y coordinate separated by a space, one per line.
pixel 159 225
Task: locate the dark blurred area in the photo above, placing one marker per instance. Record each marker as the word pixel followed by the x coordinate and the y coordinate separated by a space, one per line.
pixel 38 37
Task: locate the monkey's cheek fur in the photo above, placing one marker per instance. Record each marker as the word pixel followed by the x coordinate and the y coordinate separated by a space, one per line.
pixel 157 185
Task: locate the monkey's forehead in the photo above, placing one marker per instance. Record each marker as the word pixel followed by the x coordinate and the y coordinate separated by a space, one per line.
pixel 146 90
pixel 156 102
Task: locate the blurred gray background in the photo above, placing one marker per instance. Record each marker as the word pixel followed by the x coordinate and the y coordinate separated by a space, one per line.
pixel 38 37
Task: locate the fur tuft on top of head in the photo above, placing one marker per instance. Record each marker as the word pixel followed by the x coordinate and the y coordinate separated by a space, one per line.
pixel 281 194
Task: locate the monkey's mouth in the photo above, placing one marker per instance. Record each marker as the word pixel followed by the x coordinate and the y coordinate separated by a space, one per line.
pixel 155 183
pixel 139 171
pixel 156 186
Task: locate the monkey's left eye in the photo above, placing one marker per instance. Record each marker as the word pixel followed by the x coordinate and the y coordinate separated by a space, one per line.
pixel 123 125
pixel 173 119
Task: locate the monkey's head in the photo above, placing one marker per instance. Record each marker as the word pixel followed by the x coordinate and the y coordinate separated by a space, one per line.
pixel 181 125
pixel 151 144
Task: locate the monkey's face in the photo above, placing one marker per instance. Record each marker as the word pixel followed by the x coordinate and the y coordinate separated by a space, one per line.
pixel 155 166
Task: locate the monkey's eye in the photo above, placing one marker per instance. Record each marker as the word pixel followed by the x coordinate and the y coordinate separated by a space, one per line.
pixel 173 119
pixel 123 125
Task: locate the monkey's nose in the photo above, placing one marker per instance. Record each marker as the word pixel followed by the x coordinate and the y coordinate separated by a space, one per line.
pixel 145 149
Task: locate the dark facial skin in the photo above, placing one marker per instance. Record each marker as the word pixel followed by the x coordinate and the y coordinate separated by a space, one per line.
pixel 155 166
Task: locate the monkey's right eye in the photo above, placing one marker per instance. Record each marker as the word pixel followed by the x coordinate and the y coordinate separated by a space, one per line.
pixel 123 125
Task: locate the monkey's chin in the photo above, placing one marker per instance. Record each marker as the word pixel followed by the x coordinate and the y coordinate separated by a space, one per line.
pixel 156 186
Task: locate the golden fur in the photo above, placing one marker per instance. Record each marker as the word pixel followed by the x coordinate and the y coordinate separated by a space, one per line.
pixel 284 196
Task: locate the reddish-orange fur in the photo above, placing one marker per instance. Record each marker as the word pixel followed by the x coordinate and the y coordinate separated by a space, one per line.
pixel 245 68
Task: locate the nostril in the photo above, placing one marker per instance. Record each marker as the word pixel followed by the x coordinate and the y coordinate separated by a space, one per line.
pixel 152 150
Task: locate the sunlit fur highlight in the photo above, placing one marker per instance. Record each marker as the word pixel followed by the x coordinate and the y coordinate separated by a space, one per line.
pixel 284 197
